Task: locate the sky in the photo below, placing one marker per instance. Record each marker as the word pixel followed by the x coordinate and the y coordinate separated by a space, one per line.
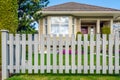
pixel 104 3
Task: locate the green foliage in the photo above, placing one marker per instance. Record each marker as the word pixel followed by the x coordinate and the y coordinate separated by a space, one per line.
pixel 8 17
pixel 106 30
pixel 28 14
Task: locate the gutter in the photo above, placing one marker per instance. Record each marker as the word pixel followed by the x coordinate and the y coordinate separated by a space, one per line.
pixel 66 12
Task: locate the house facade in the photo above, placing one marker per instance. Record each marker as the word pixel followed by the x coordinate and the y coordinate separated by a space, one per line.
pixel 70 18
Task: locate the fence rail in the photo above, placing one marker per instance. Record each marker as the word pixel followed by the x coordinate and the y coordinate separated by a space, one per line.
pixel 88 55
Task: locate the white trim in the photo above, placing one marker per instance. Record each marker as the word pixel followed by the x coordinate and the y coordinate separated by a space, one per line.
pixel 63 12
pixel 101 19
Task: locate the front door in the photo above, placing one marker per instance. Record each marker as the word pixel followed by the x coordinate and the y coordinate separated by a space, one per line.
pixel 84 29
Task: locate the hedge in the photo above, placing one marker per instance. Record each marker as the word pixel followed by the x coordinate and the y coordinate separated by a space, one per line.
pixel 8 17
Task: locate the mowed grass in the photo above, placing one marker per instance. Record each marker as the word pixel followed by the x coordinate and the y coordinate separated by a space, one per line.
pixel 65 77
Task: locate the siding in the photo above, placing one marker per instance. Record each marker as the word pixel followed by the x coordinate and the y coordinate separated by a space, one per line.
pixel 41 26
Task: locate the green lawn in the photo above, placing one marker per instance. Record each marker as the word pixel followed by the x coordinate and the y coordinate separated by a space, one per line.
pixel 64 77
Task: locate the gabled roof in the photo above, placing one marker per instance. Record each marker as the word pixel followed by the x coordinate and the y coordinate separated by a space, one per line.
pixel 73 6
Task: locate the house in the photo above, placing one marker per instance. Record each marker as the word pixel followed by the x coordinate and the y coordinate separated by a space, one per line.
pixel 70 18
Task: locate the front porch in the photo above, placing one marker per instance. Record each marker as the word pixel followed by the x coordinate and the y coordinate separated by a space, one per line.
pixel 93 26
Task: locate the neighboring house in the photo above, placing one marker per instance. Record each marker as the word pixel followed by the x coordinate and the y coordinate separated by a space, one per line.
pixel 70 18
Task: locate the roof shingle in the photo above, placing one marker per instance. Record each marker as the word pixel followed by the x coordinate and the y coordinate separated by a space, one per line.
pixel 73 6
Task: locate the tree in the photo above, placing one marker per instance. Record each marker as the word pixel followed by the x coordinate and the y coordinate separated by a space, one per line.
pixel 8 17
pixel 27 13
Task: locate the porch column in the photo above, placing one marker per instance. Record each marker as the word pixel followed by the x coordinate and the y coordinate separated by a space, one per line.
pixel 40 28
pixel 111 26
pixel 70 25
pixel 80 25
pixel 75 26
pixel 98 26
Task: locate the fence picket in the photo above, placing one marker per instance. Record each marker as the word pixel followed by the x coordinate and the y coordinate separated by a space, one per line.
pixel 85 53
pixel 42 62
pixel 91 53
pixel 104 66
pixel 79 44
pixel 54 55
pixel 110 54
pixel 23 52
pixel 48 53
pixel 11 53
pixel 98 53
pixel 30 53
pixel 36 53
pixel 73 54
pixel 17 52
pixel 117 54
pixel 60 54
pixel 67 54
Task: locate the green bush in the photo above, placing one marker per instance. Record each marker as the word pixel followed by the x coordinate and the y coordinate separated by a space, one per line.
pixel 106 30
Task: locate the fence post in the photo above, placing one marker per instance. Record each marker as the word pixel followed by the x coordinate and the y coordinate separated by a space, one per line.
pixel 4 54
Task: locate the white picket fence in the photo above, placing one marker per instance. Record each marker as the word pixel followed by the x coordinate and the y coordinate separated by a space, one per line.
pixel 63 54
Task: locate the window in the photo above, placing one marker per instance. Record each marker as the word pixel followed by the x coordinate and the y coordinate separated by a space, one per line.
pixel 59 25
